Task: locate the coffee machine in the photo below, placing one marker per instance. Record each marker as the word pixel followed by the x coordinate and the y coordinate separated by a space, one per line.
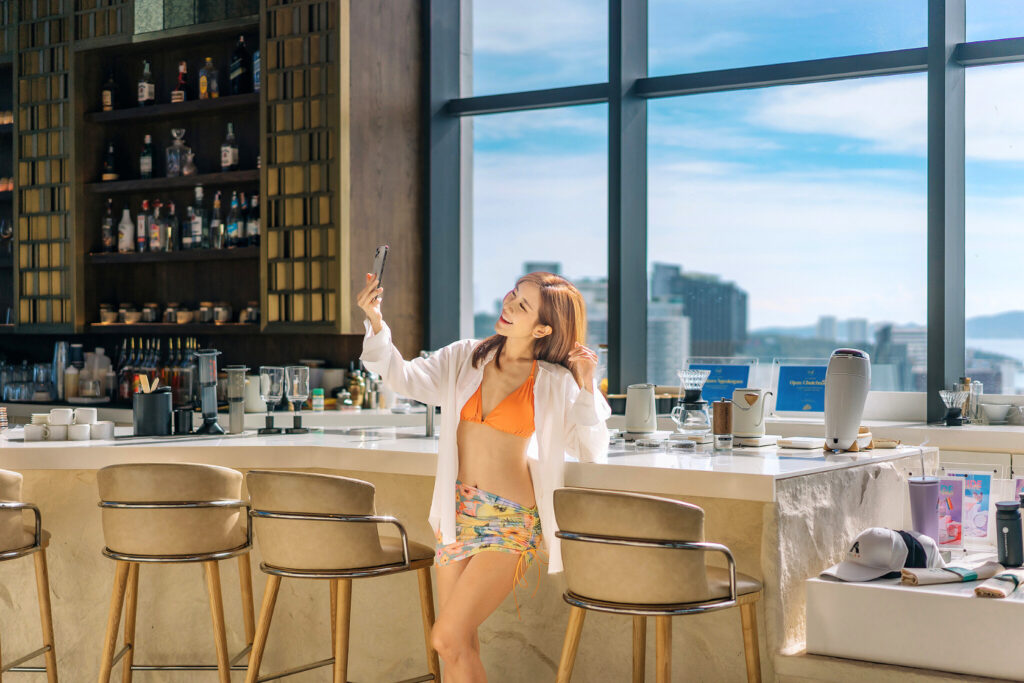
pixel 847 381
pixel 206 359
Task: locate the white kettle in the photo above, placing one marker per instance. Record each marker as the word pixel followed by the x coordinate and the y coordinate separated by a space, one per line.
pixel 641 415
pixel 748 411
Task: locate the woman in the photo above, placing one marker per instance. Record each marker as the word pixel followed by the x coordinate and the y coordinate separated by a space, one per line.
pixel 494 483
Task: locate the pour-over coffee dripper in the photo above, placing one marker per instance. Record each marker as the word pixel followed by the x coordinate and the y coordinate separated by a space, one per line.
pixel 691 414
pixel 954 401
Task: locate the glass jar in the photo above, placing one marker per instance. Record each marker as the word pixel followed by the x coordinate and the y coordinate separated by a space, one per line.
pixel 176 153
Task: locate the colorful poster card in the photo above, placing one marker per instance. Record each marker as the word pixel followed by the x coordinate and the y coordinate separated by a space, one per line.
pixel 977 503
pixel 722 380
pixel 801 389
pixel 951 501
pixel 1018 487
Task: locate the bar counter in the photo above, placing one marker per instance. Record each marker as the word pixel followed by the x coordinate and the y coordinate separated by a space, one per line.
pixel 785 515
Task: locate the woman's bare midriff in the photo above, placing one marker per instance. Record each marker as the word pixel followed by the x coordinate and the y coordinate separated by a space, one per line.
pixel 495 461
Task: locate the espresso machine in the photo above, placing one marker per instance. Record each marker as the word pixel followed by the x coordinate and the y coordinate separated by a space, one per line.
pixel 206 359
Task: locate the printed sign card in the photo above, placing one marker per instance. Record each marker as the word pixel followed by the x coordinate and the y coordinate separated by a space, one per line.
pixel 722 380
pixel 801 389
pixel 977 504
pixel 951 500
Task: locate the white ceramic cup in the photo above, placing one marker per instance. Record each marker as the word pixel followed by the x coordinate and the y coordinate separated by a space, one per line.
pixel 56 432
pixel 78 432
pixel 35 432
pixel 85 416
pixel 102 430
pixel 61 416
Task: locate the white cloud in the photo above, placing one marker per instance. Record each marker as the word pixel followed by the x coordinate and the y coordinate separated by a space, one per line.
pixel 538 26
pixel 585 120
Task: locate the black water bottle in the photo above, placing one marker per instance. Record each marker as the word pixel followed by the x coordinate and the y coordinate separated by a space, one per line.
pixel 1008 530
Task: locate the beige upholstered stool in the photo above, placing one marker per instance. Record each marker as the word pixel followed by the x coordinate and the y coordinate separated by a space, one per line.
pixel 169 513
pixel 318 526
pixel 17 540
pixel 641 555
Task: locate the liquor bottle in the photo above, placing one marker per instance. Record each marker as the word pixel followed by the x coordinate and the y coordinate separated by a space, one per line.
pixel 243 234
pixel 234 223
pixel 147 89
pixel 171 229
pixel 126 232
pixel 108 96
pixel 109 164
pixel 229 151
pixel 241 69
pixel 155 227
pixel 200 226
pixel 125 372
pixel 186 229
pixel 142 227
pixel 208 86
pixel 252 222
pixel 107 229
pixel 216 224
pixel 179 92
pixel 146 158
pixel 256 70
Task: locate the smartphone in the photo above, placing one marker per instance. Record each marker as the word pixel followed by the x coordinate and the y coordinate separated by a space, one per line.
pixel 378 263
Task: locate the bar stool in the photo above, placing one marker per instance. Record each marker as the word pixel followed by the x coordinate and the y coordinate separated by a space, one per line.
pixel 18 540
pixel 289 511
pixel 632 554
pixel 171 513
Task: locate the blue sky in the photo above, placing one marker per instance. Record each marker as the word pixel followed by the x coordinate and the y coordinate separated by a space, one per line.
pixel 810 197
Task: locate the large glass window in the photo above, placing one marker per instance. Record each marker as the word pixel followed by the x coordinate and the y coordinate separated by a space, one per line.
pixel 994 19
pixel 540 188
pixel 702 36
pixel 785 222
pixel 994 239
pixel 535 44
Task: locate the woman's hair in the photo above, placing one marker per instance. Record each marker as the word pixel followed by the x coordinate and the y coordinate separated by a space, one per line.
pixel 562 307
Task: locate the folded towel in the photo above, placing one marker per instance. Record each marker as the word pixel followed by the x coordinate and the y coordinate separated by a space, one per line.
pixel 924 577
pixel 1001 585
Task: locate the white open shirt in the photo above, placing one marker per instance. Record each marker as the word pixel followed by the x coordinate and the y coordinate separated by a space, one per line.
pixel 566 419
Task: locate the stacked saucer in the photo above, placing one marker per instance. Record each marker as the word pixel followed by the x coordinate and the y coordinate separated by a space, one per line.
pixel 3 418
pixel 40 419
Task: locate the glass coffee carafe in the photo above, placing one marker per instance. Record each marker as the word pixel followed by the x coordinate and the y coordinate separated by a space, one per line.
pixel 691 414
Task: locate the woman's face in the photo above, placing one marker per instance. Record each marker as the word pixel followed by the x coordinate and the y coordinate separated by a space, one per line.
pixel 520 313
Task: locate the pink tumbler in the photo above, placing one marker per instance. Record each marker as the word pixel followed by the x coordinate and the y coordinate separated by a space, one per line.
pixel 924 504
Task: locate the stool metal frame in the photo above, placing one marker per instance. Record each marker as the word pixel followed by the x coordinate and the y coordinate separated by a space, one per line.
pixel 43 589
pixel 236 663
pixel 274 582
pixel 640 612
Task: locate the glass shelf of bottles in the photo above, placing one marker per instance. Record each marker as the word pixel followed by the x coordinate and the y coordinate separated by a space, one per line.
pixel 229 254
pixel 185 181
pixel 174 328
pixel 177 109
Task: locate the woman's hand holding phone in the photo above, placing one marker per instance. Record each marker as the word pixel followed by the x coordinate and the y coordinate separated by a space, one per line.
pixel 369 300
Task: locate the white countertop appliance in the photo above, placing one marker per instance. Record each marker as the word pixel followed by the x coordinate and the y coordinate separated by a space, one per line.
pixel 847 382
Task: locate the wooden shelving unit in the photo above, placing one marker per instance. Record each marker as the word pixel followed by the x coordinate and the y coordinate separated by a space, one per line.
pixel 224 179
pixel 211 107
pixel 189 329
pixel 190 255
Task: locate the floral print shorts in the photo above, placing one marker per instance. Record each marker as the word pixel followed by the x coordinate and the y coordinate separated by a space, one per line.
pixel 484 521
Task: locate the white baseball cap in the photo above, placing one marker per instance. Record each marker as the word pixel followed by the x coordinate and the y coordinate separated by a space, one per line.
pixel 877 552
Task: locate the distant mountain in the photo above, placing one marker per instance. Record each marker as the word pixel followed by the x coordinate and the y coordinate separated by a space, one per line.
pixel 807 332
pixel 1009 325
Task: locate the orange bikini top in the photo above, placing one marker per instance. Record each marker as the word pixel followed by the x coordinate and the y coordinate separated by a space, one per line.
pixel 514 415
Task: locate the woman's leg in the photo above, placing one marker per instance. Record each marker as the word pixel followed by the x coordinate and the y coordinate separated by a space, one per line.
pixel 484 584
pixel 447 577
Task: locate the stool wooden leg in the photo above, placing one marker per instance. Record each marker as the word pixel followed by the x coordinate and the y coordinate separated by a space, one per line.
pixel 220 636
pixel 639 648
pixel 130 606
pixel 334 610
pixel 45 614
pixel 248 609
pixel 342 619
pixel 427 610
pixel 571 643
pixel 664 638
pixel 113 620
pixel 262 628
pixel 748 615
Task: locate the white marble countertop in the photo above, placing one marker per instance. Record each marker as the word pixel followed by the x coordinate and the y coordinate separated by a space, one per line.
pixel 744 473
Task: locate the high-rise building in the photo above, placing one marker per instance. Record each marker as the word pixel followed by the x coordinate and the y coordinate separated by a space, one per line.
pixel 826 328
pixel 857 330
pixel 717 310
pixel 595 295
pixel 544 266
pixel 668 341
